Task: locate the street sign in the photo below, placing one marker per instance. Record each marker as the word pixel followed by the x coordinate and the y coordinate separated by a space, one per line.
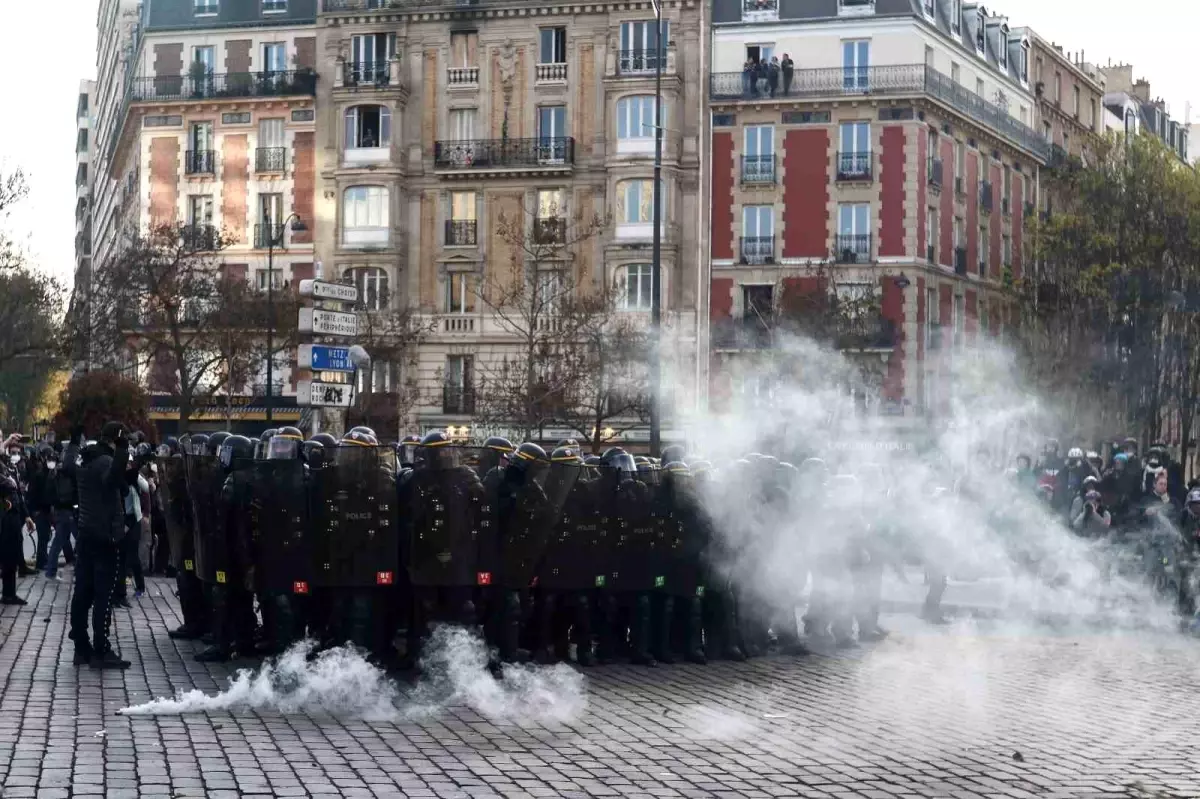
pixel 319 289
pixel 321 358
pixel 328 323
pixel 323 395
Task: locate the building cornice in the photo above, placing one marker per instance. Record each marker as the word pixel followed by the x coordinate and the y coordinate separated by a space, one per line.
pixel 479 12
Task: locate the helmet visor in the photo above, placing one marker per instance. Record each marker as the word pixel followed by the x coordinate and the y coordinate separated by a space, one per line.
pixel 281 448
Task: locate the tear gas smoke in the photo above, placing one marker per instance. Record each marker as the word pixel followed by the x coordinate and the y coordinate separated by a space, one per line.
pixel 777 525
pixel 340 682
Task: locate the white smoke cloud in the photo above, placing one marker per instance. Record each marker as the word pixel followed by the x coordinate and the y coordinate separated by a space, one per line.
pixel 340 682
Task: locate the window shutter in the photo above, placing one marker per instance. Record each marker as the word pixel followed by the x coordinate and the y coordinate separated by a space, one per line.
pixel 385 125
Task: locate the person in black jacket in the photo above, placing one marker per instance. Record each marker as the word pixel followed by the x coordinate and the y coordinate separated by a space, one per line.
pixel 10 541
pixel 41 499
pixel 65 499
pixel 102 486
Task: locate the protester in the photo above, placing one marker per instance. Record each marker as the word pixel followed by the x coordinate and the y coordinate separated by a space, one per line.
pixel 65 501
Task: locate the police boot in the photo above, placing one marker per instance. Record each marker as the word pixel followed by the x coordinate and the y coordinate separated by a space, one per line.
pixel 660 644
pixel 545 651
pixel 607 632
pixel 693 631
pixel 222 645
pixel 639 632
pixel 581 632
pixel 510 629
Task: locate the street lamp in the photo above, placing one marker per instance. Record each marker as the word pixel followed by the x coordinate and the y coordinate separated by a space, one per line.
pixel 360 359
pixel 274 241
pixel 656 257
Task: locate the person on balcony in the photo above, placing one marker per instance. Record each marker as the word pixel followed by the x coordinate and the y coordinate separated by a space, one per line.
pixel 788 67
pixel 773 75
pixel 748 77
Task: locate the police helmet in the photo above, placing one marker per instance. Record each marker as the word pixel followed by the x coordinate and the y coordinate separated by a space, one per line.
pixel 592 460
pixel 284 445
pixel 499 444
pixel 313 453
pixel 267 434
pixel 407 448
pixel 528 455
pixel 1075 454
pixel 199 444
pixel 325 440
pixel 677 469
pixel 566 455
pixel 673 453
pixel 172 443
pixel 362 428
pixel 234 449
pixel 215 441
pixel 700 468
pixel 356 438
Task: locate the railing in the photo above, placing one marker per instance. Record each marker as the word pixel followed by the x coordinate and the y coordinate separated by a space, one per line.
pixel 960 260
pixel 366 73
pixel 462 76
pixel 748 333
pixel 758 169
pixel 461 233
pixel 229 84
pixel 199 162
pixel 639 62
pixel 199 237
pixel 935 172
pixel 457 400
pixel 852 248
pixel 458 323
pixel 270 159
pixel 551 230
pixel 753 10
pixel 872 333
pixel 503 153
pixel 551 72
pixel 986 201
pixel 854 166
pixel 757 249
pixel 905 79
pixel 268 236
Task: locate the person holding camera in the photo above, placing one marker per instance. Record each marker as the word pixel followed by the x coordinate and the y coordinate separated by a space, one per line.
pixel 1089 517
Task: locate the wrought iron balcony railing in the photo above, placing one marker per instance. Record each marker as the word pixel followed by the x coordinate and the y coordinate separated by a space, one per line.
pixel 854 166
pixel 270 159
pixel 504 153
pixel 757 249
pixel 366 73
pixel 639 62
pixel 198 237
pixel 457 400
pixel 758 169
pixel 275 83
pixel 268 236
pixel 748 333
pixel 461 233
pixel 852 248
pixel 872 333
pixel 200 162
pixel 903 79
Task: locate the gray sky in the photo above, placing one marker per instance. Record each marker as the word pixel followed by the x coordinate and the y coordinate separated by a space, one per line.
pixel 41 82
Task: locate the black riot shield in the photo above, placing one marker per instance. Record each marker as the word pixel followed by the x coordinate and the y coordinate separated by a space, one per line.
pixel 177 511
pixel 281 527
pixel 355 527
pixel 685 539
pixel 578 550
pixel 450 521
pixel 526 517
pixel 204 481
pixel 634 528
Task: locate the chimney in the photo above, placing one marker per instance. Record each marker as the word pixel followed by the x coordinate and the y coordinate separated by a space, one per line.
pixel 1141 90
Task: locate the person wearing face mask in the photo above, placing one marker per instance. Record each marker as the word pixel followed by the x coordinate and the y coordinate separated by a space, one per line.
pixel 10 541
pixel 65 500
pixel 15 468
pixel 40 496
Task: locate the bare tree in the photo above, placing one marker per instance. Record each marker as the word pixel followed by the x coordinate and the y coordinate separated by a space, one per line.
pixel 393 337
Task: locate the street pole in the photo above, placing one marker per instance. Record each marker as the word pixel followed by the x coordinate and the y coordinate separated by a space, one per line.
pixel 656 269
pixel 270 311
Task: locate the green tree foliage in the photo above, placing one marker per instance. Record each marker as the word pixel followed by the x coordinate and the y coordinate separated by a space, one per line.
pixel 97 397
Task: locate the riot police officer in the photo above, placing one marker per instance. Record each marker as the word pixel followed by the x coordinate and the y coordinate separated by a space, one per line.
pixel 678 626
pixel 177 506
pixel 492 460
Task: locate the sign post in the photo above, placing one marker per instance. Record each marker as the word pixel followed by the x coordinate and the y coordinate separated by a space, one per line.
pixel 328 362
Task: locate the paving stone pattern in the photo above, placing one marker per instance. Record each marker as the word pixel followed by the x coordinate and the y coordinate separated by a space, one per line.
pixel 956 713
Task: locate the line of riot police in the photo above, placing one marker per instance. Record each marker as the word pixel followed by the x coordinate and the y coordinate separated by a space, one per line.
pixel 552 556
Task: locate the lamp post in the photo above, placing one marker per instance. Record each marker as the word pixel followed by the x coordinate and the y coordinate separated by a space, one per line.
pixel 656 257
pixel 361 360
pixel 274 241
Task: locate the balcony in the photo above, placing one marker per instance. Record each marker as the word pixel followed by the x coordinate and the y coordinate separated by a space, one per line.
pixel 278 83
pixel 852 248
pixel 458 401
pixel 758 170
pixel 461 233
pixel 960 261
pixel 463 77
pixel 935 172
pixel 270 159
pixel 268 236
pixel 757 249
pixel 551 230
pixel 551 73
pixel 900 80
pixel 366 74
pixel 986 199
pixel 747 333
pixel 872 333
pixel 457 324
pixel 200 162
pixel 639 62
pixel 504 154
pixel 854 166
pixel 760 10
pixel 198 238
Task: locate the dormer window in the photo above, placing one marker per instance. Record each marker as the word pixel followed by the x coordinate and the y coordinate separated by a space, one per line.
pixel 1002 50
pixel 980 30
pixel 956 16
pixel 1025 61
pixel 928 5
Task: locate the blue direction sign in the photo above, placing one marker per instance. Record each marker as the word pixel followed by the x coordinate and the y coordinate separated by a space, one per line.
pixel 322 358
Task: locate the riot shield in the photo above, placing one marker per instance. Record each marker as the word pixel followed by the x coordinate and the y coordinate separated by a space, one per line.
pixel 636 548
pixel 281 529
pixel 451 524
pixel 355 527
pixel 577 552
pixel 177 511
pixel 685 539
pixel 204 481
pixel 525 519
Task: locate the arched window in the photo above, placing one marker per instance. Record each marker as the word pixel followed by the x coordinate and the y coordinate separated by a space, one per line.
pixel 368 126
pixel 365 216
pixel 372 284
pixel 634 284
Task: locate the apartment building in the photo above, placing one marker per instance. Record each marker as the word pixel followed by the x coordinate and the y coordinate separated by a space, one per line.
pixel 896 157
pixel 437 120
pixel 1070 98
pixel 1134 108
pixel 84 146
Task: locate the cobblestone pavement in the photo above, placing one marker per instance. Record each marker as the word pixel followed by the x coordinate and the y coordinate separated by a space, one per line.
pixel 950 712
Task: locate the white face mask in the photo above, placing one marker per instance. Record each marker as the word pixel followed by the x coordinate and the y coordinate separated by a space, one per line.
pixel 51 465
pixel 154 468
pixel 14 459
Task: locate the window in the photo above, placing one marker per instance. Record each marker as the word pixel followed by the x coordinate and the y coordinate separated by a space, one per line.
pixel 270 220
pixel 552 46
pixel 1024 115
pixel 369 54
pixel 462 206
pixel 955 72
pixel 1058 87
pixel 854 231
pixel 461 227
pixel 856 58
pixel 1048 131
pixel 379 374
pixel 365 216
pixel 200 209
pixel 931 235
pixel 983 250
pixel 959 311
pixel 201 137
pixel 464 47
pixel 1075 101
pixel 979 88
pixel 1006 250
pixel 635 203
pixel 758 234
pixel 550 204
pixel 931 319
pixel 274 57
pixel 260 280
pixel 960 162
pixel 460 293
pixel 635 284
pixel 270 133
pixel 760 52
pixel 856 137
pixel 368 126
pixel 929 62
pixel 635 122
pixel 372 285
pixel 1093 121
pixel 1007 188
pixel 81 140
pixel 274 6
pixel 639 47
pixel 1002 48
pixel 204 7
pixel 205 56
pixel 960 235
pixel 462 124
pixel 552 133
pixel 956 16
pixel 928 6
pixel 457 394
pixel 1025 62
pixel 549 290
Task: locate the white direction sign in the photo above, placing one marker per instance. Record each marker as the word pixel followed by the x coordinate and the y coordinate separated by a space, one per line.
pixel 321 290
pixel 328 323
pixel 323 395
